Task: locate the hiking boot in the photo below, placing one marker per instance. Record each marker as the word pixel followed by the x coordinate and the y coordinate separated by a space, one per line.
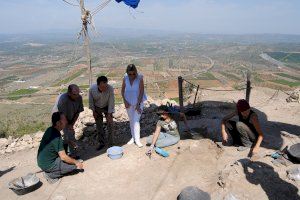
pixel 49 179
pixel 242 148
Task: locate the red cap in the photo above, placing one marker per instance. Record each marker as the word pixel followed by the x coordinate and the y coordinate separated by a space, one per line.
pixel 242 105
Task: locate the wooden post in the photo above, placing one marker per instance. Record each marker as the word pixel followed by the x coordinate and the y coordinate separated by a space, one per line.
pixel 180 93
pixel 196 95
pixel 84 17
pixel 248 86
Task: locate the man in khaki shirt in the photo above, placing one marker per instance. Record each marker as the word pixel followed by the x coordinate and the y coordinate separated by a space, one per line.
pixel 102 101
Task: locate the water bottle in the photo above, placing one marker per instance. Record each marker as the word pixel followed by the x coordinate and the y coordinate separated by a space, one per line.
pixel 161 152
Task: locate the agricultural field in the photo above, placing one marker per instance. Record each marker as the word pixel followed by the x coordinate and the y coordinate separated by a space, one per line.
pixel 33 74
pixel 290 59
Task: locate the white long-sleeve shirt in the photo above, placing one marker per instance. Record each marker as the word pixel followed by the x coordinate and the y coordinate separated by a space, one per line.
pixel 102 99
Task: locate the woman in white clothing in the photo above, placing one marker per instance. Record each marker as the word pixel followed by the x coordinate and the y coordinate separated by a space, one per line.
pixel 134 96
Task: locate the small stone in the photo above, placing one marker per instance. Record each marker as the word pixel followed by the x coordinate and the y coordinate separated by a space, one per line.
pixel 26 138
pixel 8 150
pixel 13 144
pixel 3 143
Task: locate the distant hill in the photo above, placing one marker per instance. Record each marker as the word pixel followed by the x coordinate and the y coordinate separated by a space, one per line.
pixel 115 34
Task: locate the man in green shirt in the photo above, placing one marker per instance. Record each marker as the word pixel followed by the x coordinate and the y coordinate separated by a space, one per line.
pixel 52 158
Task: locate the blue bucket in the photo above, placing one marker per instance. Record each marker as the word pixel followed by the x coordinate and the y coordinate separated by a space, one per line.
pixel 115 152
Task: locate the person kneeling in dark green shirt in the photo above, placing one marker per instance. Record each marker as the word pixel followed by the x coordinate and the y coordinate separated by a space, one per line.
pixel 52 158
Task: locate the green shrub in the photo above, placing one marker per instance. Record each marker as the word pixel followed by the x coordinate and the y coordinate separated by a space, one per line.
pixel 17 94
pixel 285 82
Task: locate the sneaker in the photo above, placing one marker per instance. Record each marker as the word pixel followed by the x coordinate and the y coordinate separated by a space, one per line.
pixel 139 144
pixel 50 180
pixel 242 148
pixel 131 141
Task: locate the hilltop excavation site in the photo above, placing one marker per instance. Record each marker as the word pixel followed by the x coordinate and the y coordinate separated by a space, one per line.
pixel 199 76
pixel 220 171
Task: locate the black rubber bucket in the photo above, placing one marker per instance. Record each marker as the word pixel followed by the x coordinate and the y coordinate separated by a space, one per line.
pixel 25 184
pixel 294 152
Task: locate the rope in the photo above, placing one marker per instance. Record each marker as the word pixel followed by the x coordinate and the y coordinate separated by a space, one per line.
pixel 100 7
pixel 75 51
pixel 269 99
pixel 70 3
pixel 217 90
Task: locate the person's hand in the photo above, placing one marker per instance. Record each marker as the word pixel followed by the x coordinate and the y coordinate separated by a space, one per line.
pixel 138 109
pixel 79 165
pixel 254 154
pixel 74 145
pixel 109 118
pixel 224 137
pixel 127 105
pixel 95 115
pixel 150 150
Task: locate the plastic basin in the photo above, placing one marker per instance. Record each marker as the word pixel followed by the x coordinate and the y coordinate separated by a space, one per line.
pixel 25 184
pixel 115 152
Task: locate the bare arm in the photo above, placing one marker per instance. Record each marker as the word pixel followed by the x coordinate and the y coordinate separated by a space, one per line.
pixel 141 91
pixel 64 157
pixel 256 125
pixel 156 134
pixel 91 100
pixel 111 101
pixel 224 120
pixel 75 119
pixel 123 89
pixel 127 105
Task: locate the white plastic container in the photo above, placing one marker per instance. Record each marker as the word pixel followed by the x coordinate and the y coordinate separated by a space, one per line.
pixel 115 152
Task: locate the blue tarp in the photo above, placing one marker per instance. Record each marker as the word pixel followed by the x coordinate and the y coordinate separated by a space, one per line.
pixel 131 3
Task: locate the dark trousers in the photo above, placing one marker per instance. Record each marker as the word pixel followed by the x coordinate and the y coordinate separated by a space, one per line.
pixel 60 169
pixel 241 134
pixel 102 135
pixel 69 137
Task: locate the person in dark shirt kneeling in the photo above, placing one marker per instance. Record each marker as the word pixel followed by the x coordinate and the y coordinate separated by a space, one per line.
pixel 52 158
pixel 246 131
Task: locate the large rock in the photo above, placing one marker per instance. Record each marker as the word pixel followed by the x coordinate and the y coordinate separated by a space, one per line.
pixel 38 136
pixel 193 193
pixel 294 96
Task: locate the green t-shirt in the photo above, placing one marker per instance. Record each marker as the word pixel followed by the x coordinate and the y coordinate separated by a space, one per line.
pixel 50 145
pixel 169 127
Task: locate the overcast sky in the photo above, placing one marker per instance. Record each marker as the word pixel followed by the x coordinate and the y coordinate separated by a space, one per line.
pixel 196 16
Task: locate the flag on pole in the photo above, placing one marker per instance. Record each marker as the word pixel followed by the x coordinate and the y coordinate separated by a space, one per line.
pixel 131 3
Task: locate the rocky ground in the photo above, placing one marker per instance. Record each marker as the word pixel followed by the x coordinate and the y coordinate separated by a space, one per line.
pixel 223 172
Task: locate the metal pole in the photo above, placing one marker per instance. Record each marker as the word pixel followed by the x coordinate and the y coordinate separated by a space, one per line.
pixel 196 95
pixel 180 81
pixel 84 17
pixel 248 86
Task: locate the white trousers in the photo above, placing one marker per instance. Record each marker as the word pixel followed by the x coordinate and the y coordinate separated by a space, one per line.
pixel 134 120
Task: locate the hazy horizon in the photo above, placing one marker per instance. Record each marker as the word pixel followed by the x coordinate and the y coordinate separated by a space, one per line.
pixel 231 17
